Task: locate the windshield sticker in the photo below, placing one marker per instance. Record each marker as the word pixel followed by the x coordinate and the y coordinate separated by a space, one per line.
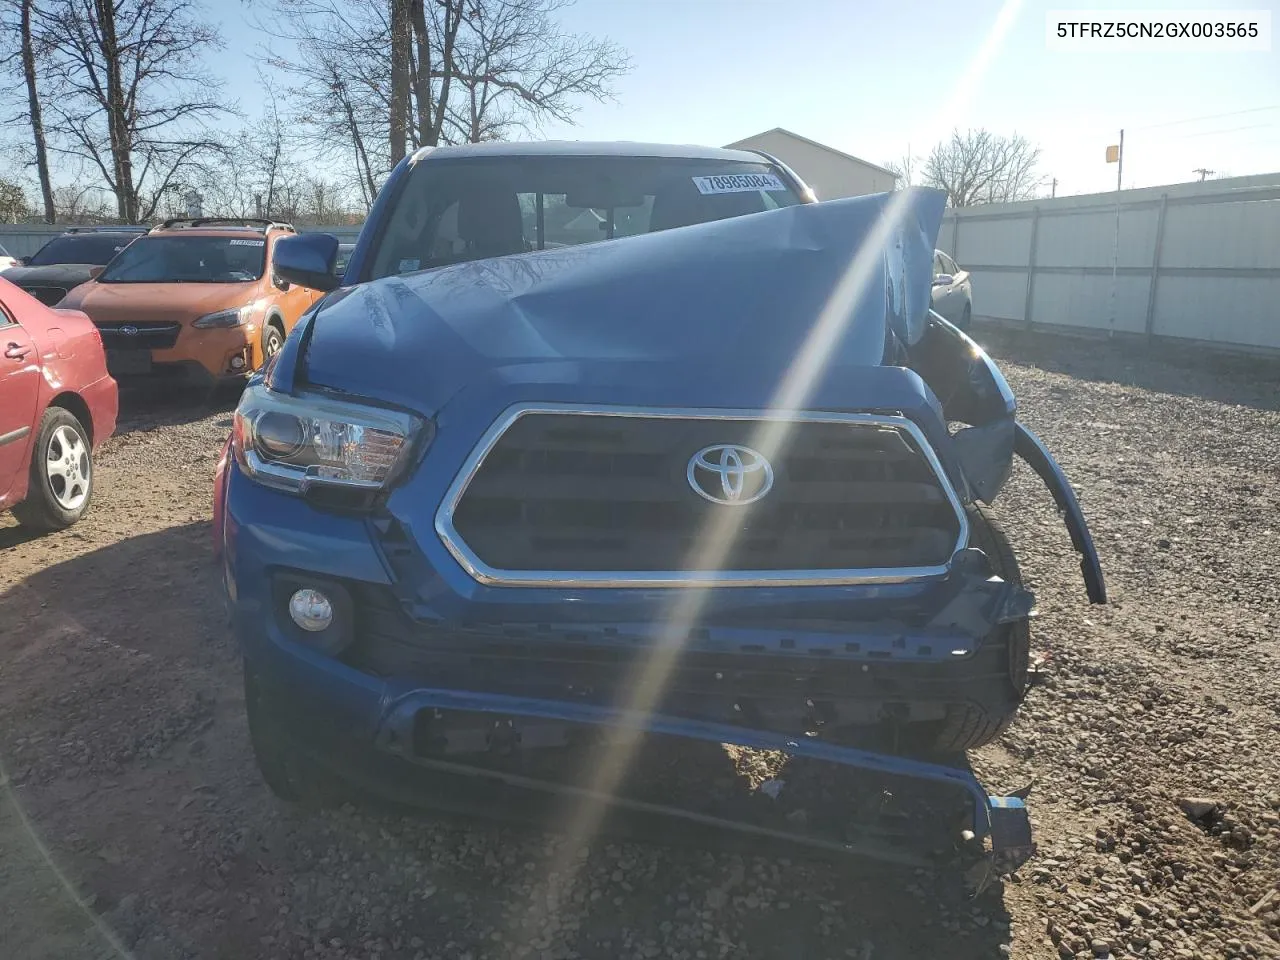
pixel 739 183
pixel 247 243
pixel 409 265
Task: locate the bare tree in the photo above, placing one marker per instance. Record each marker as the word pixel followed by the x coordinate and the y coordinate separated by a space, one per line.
pixel 272 156
pixel 442 30
pixel 341 90
pixel 130 97
pixel 398 107
pixel 81 202
pixel 376 76
pixel 519 69
pixel 19 51
pixel 978 166
pixel 258 174
pixel 13 202
pixel 906 168
pixel 325 202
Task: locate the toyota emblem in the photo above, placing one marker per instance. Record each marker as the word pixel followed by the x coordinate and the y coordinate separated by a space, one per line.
pixel 730 474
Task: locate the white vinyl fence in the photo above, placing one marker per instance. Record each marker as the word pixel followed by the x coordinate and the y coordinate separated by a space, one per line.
pixel 1196 262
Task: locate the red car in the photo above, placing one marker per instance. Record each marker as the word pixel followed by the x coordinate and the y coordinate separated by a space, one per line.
pixel 57 403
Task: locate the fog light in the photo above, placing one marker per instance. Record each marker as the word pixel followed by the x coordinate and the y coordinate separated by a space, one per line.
pixel 311 610
pixel 237 363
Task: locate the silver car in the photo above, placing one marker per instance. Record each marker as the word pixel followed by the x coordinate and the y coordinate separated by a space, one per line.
pixel 952 291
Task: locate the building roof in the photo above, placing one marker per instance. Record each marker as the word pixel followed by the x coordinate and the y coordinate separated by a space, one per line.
pixel 813 143
pixel 582 148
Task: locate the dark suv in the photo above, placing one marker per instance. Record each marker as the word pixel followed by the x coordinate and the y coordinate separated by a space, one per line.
pixel 69 260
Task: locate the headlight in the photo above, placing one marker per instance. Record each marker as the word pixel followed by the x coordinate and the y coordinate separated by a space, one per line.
pixel 296 443
pixel 224 318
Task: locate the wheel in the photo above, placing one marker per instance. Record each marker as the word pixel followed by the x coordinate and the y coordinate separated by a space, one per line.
pixel 288 773
pixel 966 317
pixel 61 482
pixel 969 725
pixel 272 340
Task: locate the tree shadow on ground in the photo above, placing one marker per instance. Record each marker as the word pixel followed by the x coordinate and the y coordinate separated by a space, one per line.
pixel 1162 367
pixel 146 406
pixel 15 535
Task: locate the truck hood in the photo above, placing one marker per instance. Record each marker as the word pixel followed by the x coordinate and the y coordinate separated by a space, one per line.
pixel 739 295
pixel 66 275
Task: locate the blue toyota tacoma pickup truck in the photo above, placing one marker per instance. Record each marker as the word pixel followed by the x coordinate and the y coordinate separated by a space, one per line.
pixel 619 434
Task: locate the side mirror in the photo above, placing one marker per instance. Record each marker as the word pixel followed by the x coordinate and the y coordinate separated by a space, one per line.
pixel 279 282
pixel 94 272
pixel 307 260
pixel 22 261
pixel 943 280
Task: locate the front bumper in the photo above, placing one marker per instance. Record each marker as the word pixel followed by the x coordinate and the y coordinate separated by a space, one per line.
pixel 198 355
pixel 983 835
pixel 790 660
pixel 473 653
pixel 102 397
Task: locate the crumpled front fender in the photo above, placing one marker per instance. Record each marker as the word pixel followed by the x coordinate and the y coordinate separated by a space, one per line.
pixel 1037 456
pixel 972 390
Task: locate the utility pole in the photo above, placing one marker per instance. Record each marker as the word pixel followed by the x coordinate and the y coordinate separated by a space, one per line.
pixel 1203 172
pixel 1119 168
pixel 1053 190
pixel 1116 155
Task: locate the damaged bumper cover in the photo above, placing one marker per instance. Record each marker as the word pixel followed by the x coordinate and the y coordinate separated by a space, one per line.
pixel 998 825
pixel 459 691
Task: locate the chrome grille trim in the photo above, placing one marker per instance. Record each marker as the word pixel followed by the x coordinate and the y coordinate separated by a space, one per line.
pixel 490 576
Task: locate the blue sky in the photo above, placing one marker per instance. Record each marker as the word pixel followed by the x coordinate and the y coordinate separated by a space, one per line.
pixel 872 76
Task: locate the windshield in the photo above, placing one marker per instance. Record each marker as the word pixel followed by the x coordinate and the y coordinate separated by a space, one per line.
pixel 343 258
pixel 94 248
pixel 178 259
pixel 451 211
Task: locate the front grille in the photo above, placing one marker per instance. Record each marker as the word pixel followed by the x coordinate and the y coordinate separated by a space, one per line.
pixel 610 493
pixel 148 336
pixel 49 296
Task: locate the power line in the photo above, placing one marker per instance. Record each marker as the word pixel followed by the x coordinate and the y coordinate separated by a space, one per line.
pixel 1211 133
pixel 1210 116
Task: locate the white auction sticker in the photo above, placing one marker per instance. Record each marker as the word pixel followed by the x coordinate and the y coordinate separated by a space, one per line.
pixel 247 243
pixel 739 183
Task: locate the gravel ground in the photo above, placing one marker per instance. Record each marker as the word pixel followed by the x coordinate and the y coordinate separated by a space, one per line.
pixel 134 821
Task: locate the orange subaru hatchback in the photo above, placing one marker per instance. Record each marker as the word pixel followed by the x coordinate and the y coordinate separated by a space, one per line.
pixel 196 297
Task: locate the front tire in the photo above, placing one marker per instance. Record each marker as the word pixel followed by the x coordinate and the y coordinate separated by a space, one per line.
pixel 61 479
pixel 966 318
pixel 969 725
pixel 272 341
pixel 287 772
